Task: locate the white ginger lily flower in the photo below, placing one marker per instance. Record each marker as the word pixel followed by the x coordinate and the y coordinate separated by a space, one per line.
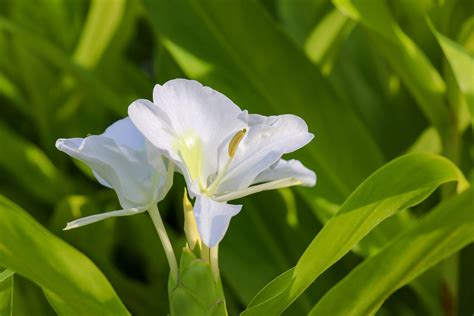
pixel 223 152
pixel 123 160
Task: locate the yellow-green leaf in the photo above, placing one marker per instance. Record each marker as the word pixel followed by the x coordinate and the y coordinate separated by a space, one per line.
pixel 447 229
pixel 72 283
pixel 402 183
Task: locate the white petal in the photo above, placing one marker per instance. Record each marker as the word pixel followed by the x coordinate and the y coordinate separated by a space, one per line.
pixel 267 139
pixel 154 124
pixel 99 217
pixel 189 122
pixel 123 132
pixel 288 169
pixel 102 180
pixel 136 176
pixel 213 219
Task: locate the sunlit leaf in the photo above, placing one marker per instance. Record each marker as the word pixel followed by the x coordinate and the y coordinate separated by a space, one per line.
pixel 6 292
pixel 72 283
pixel 400 184
pixel 444 231
pixel 462 64
pixel 102 21
pixel 30 166
pixel 407 59
pixel 325 39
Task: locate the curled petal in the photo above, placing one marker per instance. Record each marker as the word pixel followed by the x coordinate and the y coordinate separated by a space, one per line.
pixel 213 219
pixel 124 133
pixel 267 139
pixel 138 176
pixel 99 217
pixel 288 169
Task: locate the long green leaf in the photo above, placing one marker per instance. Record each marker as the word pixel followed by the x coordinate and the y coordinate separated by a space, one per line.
pixel 407 59
pixel 402 183
pixel 58 58
pixel 29 299
pixel 462 64
pixel 325 39
pixel 6 292
pixel 298 17
pixel 447 229
pixel 73 284
pixel 9 90
pixel 30 166
pixel 377 239
pixel 102 21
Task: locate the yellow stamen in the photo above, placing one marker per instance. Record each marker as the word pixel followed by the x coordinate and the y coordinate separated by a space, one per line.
pixel 235 141
pixel 233 144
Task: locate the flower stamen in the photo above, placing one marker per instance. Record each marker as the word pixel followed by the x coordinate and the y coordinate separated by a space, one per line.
pixel 235 141
pixel 233 144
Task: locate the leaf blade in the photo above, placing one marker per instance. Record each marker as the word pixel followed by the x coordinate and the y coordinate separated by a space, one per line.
pixel 6 292
pixel 71 281
pixel 406 58
pixel 441 233
pixel 416 176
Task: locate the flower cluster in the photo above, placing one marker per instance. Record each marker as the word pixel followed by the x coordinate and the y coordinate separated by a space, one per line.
pixel 223 153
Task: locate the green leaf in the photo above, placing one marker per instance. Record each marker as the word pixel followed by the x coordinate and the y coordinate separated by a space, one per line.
pixel 447 229
pixel 216 43
pixel 326 38
pixel 197 292
pixel 58 58
pixel 362 76
pixel 427 288
pixel 6 292
pixel 275 246
pixel 466 280
pixel 102 21
pixel 29 299
pixel 406 58
pixel 30 166
pixel 300 16
pixel 106 241
pixel 462 64
pixel 400 184
pixel 11 91
pixel 72 283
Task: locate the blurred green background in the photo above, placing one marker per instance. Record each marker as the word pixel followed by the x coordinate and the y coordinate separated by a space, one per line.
pixel 373 80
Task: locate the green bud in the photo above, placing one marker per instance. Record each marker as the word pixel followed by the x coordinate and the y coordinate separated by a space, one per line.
pixel 197 292
pixel 190 226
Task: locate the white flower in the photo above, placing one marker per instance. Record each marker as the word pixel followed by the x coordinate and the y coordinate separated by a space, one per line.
pixel 123 160
pixel 223 152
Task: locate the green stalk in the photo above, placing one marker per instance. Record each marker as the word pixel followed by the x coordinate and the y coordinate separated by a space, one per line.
pixel 165 241
pixel 214 261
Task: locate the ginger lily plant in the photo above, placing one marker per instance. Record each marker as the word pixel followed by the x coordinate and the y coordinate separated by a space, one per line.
pixel 224 154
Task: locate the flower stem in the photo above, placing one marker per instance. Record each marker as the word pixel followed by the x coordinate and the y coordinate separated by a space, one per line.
pixel 210 256
pixel 205 253
pixel 214 258
pixel 165 241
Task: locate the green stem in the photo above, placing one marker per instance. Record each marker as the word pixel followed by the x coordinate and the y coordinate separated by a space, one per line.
pixel 214 258
pixel 205 254
pixel 211 257
pixel 165 241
